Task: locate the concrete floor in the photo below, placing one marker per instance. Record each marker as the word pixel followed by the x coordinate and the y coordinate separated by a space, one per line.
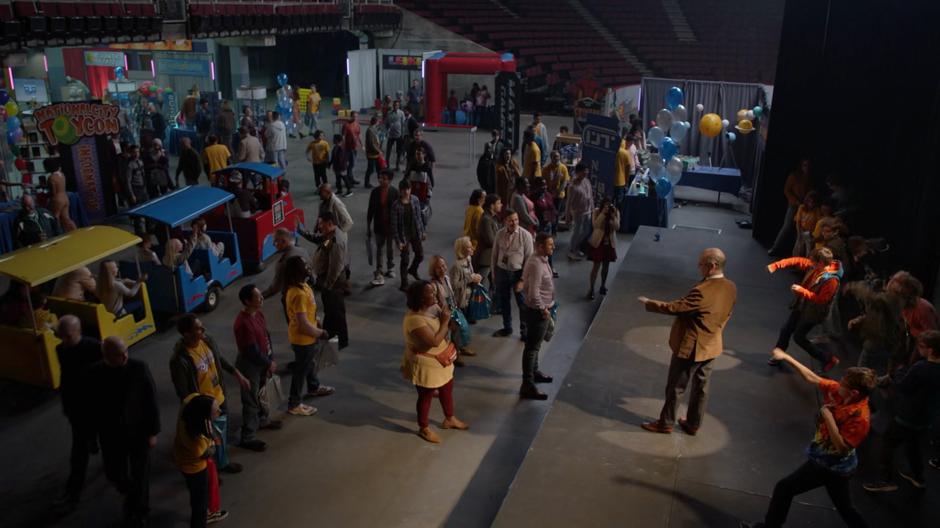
pixel 359 462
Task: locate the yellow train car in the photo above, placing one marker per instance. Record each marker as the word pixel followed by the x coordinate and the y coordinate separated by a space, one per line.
pixel 28 354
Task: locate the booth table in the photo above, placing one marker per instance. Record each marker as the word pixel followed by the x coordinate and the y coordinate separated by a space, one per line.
pixel 176 134
pixel 720 180
pixel 645 210
pixel 9 211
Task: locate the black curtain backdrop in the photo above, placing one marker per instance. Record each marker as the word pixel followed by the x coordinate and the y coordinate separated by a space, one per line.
pixel 858 91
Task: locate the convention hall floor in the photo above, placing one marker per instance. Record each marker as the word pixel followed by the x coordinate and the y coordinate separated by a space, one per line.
pixel 578 459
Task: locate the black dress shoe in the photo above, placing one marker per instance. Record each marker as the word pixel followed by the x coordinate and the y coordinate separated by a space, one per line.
pixel 542 378
pixel 532 394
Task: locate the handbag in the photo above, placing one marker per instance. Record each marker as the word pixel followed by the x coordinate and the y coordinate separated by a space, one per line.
pixel 463 327
pixel 479 306
pixel 327 353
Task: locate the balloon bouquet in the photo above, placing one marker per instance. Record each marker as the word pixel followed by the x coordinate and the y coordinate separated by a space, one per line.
pixel 666 167
pixel 285 103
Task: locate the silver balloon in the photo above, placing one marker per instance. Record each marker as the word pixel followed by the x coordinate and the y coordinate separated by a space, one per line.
pixel 655 136
pixel 664 119
pixel 674 170
pixel 680 113
pixel 656 161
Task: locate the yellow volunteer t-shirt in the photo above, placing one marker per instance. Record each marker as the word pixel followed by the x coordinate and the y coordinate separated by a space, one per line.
pixel 216 157
pixel 188 451
pixel 533 161
pixel 622 167
pixel 300 300
pixel 320 152
pixel 207 377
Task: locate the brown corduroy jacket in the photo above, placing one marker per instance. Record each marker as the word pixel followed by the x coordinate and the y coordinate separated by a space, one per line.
pixel 701 317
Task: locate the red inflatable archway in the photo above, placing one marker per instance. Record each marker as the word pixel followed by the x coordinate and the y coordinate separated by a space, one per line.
pixel 438 66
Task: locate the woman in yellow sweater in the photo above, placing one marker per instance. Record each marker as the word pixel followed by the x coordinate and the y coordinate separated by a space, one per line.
pixel 192 454
pixel 471 219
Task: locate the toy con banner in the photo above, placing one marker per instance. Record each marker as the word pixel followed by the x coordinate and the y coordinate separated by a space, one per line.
pixel 81 132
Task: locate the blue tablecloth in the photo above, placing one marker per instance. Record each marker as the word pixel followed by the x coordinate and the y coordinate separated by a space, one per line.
pixel 9 210
pixel 178 133
pixel 643 210
pixel 723 180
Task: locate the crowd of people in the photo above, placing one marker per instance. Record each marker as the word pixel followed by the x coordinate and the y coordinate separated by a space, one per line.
pixel 506 248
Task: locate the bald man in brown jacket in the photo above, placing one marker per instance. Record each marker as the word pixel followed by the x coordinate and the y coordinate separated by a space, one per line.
pixel 695 340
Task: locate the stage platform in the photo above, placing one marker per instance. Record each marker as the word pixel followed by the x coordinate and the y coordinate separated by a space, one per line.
pixel 591 463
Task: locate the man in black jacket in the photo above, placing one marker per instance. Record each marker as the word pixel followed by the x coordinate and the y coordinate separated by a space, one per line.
pixel 123 403
pixel 77 353
pixel 379 223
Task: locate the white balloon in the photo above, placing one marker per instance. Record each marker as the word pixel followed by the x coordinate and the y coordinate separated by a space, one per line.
pixel 700 107
pixel 674 170
pixel 655 136
pixel 725 123
pixel 750 115
pixel 680 113
pixel 664 119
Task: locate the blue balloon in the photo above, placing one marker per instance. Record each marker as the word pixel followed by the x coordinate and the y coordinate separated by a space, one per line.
pixel 731 137
pixel 673 97
pixel 669 149
pixel 281 79
pixel 663 187
pixel 13 123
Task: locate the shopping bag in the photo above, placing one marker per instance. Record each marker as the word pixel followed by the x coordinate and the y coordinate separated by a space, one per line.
pixel 327 354
pixel 479 306
pixel 271 392
pixel 463 327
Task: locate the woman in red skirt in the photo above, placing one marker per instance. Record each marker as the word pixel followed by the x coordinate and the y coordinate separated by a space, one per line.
pixel 603 242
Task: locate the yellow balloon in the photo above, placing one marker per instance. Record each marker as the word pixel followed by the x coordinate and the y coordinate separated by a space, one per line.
pixel 741 115
pixel 745 126
pixel 710 125
pixel 12 108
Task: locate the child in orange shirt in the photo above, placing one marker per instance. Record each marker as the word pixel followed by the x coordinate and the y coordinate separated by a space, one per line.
pixel 844 422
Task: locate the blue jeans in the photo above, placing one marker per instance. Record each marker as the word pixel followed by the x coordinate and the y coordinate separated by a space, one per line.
pixel 505 289
pixel 305 369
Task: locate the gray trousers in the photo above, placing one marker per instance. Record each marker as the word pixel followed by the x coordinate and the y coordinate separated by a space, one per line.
pixel 255 410
pixel 682 372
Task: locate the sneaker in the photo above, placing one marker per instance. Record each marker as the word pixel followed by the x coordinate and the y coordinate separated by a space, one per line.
pixel 322 390
pixel 879 487
pixel 253 445
pixel 914 482
pixel 348 194
pixel 833 361
pixel 216 516
pixel 302 410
